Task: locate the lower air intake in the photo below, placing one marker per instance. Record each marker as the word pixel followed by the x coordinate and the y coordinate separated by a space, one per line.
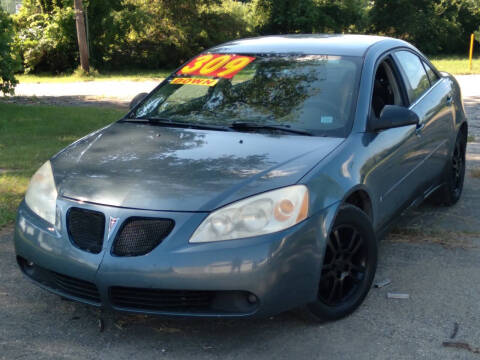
pixel 161 300
pixel 76 287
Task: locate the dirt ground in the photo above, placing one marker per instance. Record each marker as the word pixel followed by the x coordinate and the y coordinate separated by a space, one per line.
pixel 433 254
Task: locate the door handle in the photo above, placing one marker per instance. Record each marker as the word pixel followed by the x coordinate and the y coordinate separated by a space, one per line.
pixel 449 100
pixel 418 130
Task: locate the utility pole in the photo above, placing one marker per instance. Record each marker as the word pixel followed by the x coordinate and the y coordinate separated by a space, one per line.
pixel 81 35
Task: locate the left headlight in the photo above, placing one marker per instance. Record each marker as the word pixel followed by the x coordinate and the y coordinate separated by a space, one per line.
pixel 261 214
pixel 41 195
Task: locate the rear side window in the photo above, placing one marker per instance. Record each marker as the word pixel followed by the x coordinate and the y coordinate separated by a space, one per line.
pixel 432 75
pixel 413 73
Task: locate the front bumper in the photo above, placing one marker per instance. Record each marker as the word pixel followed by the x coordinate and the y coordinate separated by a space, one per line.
pixel 281 270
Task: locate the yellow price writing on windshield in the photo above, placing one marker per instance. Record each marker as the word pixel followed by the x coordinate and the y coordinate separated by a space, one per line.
pixel 216 65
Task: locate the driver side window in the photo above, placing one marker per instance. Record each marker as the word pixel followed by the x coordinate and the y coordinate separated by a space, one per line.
pixel 385 89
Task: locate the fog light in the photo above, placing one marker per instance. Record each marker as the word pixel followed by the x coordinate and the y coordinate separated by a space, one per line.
pixel 252 299
pixel 29 267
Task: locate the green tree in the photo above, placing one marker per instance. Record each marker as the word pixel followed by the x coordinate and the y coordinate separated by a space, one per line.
pixel 47 41
pixel 127 33
pixel 435 26
pixel 341 16
pixel 160 33
pixel 8 63
pixel 308 16
pixel 287 16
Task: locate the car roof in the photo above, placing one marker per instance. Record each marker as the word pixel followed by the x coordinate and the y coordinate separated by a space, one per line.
pixel 311 44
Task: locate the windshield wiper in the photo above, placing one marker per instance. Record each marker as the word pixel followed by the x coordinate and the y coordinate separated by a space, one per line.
pixel 161 121
pixel 245 125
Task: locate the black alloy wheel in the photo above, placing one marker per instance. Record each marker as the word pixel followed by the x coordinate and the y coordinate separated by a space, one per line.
pixel 344 265
pixel 349 266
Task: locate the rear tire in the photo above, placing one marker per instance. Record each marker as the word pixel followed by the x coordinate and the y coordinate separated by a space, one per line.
pixel 348 268
pixel 454 175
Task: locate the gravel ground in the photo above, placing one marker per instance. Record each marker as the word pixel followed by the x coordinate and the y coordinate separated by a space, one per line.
pixel 119 93
pixel 433 255
pixel 122 90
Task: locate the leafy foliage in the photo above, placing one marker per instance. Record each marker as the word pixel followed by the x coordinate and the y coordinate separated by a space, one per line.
pixel 46 36
pixel 160 33
pixel 8 63
pixel 435 26
pixel 127 33
pixel 152 34
pixel 307 16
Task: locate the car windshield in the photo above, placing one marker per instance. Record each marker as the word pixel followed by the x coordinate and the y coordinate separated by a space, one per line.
pixel 313 93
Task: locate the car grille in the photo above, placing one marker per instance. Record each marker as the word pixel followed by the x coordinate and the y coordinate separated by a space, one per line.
pixel 86 229
pixel 138 236
pixel 161 300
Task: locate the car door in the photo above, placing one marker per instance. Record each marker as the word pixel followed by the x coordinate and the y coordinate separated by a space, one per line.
pixel 394 158
pixel 430 97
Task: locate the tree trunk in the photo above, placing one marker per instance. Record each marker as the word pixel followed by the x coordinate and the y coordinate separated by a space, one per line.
pixel 81 35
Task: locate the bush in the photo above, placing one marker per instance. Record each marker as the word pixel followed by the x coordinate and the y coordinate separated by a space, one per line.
pixel 127 33
pixel 8 62
pixel 162 33
pixel 47 41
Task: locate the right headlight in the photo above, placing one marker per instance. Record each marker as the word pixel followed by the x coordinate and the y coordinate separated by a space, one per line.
pixel 41 195
pixel 261 214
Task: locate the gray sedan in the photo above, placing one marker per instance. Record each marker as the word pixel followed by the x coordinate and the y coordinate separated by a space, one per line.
pixel 257 178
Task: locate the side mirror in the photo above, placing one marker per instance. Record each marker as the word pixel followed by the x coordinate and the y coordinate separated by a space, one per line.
pixel 393 116
pixel 136 100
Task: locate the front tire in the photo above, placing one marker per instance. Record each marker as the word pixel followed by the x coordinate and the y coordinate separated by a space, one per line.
pixel 349 266
pixel 454 175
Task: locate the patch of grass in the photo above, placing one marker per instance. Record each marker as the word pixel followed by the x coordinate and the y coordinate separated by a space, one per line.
pixel 456 65
pixel 475 173
pixel 12 188
pixel 471 138
pixel 30 135
pixel 78 76
pixel 79 72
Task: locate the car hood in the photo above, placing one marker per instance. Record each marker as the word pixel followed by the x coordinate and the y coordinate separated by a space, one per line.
pixel 145 166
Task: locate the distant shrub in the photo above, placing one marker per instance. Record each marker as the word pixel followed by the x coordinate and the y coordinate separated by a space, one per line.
pixel 8 62
pixel 47 41
pixel 127 33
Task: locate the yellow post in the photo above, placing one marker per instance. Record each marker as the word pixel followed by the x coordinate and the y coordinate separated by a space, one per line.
pixel 471 53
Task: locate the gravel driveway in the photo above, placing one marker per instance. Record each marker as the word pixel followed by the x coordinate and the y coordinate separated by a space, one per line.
pixel 119 93
pixel 433 255
pixel 123 90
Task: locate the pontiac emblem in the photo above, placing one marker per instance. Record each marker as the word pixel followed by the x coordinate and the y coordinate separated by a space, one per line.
pixel 111 225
